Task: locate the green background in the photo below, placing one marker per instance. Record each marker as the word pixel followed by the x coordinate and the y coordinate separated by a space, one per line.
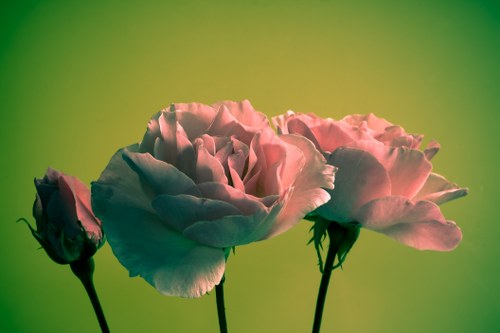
pixel 80 79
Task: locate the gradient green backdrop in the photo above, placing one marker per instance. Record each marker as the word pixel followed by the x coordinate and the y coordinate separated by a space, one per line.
pixel 78 80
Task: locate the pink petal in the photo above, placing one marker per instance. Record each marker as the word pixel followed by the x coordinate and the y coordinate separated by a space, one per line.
pixel 181 211
pixel 232 230
pixel 372 122
pixel 396 136
pixel 156 177
pixel 326 134
pixel 244 113
pixel 195 118
pixel 331 135
pixel 306 182
pixel 271 155
pixel 297 125
pixel 280 122
pixel 208 143
pixel 360 178
pixel 173 264
pixel 186 158
pixel 439 190
pixel 152 133
pixel 252 174
pixel 72 186
pixel 208 168
pixel 51 176
pixel 61 210
pixel 223 154
pixel 432 149
pixel 127 178
pixel 244 202
pixel 417 224
pixel 166 145
pixel 236 163
pixel 225 124
pixel 408 169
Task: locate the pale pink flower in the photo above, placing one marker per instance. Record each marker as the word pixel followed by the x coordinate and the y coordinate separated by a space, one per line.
pixel 204 178
pixel 383 181
pixel 66 226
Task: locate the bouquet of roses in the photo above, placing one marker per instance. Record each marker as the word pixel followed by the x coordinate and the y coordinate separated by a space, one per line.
pixel 207 178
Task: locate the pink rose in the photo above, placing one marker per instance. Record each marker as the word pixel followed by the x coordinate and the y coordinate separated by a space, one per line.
pixel 383 181
pixel 66 227
pixel 204 179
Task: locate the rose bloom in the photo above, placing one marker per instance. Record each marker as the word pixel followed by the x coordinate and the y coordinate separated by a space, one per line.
pixel 205 178
pixel 66 226
pixel 383 181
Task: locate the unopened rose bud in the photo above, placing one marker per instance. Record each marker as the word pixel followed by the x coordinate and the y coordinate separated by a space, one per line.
pixel 66 226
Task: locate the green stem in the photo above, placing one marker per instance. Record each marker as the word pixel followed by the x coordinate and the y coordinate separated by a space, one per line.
pixel 333 248
pixel 221 311
pixel 84 270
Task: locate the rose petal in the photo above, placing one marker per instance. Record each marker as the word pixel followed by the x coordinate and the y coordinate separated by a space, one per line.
pixel 61 209
pixel 121 181
pixel 372 122
pixel 51 176
pixel 326 134
pixel 396 136
pixel 157 176
pixel 432 149
pixel 246 203
pixel 233 230
pixel 174 265
pixel 417 224
pixel 360 178
pixel 439 190
pixel 330 135
pixel 71 186
pixel 181 211
pixel 152 133
pixel 244 113
pixel 186 158
pixel 296 125
pixel 195 118
pixel 310 177
pixel 408 169
pixel 208 168
pixel 280 122
pixel 272 156
pixel 225 124
pixel 236 164
pixel 165 148
pixel 222 156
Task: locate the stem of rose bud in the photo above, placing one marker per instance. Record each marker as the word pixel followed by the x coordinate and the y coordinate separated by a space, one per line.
pixel 333 248
pixel 84 270
pixel 221 310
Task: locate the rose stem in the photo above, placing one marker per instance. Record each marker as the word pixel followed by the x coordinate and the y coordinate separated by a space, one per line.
pixel 333 248
pixel 221 311
pixel 84 270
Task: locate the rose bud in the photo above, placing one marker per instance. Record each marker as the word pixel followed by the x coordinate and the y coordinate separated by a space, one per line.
pixel 66 226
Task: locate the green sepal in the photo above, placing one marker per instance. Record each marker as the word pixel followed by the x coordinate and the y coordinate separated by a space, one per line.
pixel 344 236
pixel 228 250
pixel 341 235
pixel 319 230
pixel 48 249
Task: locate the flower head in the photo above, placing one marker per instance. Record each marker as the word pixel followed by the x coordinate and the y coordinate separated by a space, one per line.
pixel 66 226
pixel 205 178
pixel 383 181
